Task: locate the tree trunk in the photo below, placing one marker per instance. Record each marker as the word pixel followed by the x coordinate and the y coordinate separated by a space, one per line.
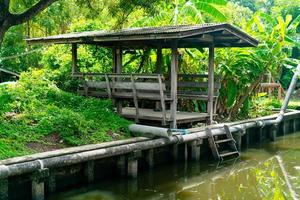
pixel 236 107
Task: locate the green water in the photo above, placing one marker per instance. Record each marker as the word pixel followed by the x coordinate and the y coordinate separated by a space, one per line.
pixel 257 175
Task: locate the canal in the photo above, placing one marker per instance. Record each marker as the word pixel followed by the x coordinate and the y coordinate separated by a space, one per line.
pixel 256 175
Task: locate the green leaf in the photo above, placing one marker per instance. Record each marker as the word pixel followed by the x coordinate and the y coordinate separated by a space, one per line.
pixel 231 93
pixel 217 2
pixel 295 23
pixel 259 24
pixel 293 41
pixel 211 10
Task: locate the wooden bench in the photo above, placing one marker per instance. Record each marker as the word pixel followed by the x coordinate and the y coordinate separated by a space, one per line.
pixel 195 87
pixel 120 87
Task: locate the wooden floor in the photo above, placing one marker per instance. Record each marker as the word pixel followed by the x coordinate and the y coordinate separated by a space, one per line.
pixel 150 114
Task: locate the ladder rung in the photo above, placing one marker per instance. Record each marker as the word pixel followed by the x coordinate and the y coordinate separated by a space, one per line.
pixel 228 153
pixel 222 141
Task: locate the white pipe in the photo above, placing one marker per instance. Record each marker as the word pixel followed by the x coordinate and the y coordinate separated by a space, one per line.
pixel 286 99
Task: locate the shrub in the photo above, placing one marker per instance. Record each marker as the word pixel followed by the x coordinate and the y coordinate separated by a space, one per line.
pixel 35 108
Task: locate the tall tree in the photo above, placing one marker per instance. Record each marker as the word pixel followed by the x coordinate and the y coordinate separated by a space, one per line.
pixel 9 19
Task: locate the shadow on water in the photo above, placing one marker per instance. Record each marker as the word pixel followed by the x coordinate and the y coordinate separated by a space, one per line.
pixel 254 176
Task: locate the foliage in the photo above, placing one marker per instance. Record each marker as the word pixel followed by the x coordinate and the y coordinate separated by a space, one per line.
pixel 274 22
pixel 243 69
pixel 35 108
pixel 185 12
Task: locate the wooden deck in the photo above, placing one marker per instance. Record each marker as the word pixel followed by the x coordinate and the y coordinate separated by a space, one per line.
pixel 150 114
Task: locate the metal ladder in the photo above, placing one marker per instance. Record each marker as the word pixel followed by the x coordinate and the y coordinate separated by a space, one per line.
pixel 222 146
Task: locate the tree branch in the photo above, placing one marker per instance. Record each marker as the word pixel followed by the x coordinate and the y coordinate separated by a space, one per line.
pixel 31 12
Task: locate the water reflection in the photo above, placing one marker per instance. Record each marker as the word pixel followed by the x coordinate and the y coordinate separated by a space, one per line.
pixel 254 176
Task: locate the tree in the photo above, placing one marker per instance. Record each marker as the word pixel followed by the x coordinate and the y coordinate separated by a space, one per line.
pixel 9 19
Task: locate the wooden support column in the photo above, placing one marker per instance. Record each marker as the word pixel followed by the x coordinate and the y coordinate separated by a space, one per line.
pixel 260 134
pixel 295 125
pixel 186 152
pixel 286 126
pixel 4 183
pixel 52 182
pixel 210 103
pixel 114 58
pixel 158 105
pixel 132 164
pixel 273 132
pixel 238 138
pixel 159 60
pixel 89 171
pixel 74 58
pixel 149 158
pixel 121 163
pixel 38 184
pixel 117 64
pixel 247 138
pixel 174 71
pixel 174 152
pixel 4 189
pixel 195 149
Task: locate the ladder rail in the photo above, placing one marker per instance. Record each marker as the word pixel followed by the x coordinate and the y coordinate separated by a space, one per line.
pixel 215 144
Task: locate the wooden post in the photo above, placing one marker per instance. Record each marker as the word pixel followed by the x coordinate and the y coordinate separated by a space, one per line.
pixel 238 139
pixel 174 71
pixel 118 60
pixel 260 134
pixel 89 171
pixel 149 158
pixel 52 182
pixel 174 152
pixel 132 164
pixel 285 127
pixel 159 60
pixel 3 188
pixel 295 125
pixel 118 70
pixel 74 58
pixel 247 138
pixel 38 184
pixel 4 183
pixel 195 149
pixel 121 163
pixel 186 152
pixel 114 62
pixel 273 132
pixel 159 71
pixel 210 103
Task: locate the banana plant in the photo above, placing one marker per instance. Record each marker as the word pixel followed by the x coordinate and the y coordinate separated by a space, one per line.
pixel 244 68
pixel 185 12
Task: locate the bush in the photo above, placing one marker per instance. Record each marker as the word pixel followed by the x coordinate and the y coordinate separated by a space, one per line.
pixel 35 108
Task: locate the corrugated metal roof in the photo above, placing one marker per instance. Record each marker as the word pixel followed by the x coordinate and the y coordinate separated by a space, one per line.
pixel 146 33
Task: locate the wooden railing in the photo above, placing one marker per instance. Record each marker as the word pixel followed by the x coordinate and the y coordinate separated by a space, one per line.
pixel 145 87
pixel 126 86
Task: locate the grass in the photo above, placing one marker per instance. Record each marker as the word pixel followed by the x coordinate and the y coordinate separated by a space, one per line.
pixel 36 116
pixel 263 105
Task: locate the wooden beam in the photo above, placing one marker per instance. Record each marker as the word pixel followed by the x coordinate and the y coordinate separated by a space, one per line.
pixel 74 58
pixel 210 104
pixel 174 72
pixel 159 60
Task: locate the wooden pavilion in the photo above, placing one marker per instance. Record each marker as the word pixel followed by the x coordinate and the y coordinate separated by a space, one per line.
pixel 155 87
